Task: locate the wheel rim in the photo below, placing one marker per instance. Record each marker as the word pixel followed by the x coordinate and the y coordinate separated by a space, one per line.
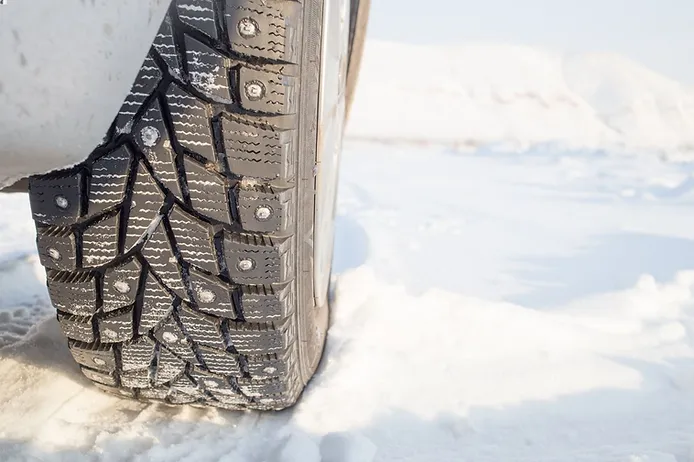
pixel 331 120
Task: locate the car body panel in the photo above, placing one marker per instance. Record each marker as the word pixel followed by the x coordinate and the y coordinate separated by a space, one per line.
pixel 66 68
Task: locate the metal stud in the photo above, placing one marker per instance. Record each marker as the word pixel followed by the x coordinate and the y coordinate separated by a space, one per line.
pixel 270 370
pixel 122 287
pixel 263 213
pixel 206 296
pixel 255 90
pixel 245 265
pixel 99 361
pixel 248 28
pixel 169 337
pixel 54 254
pixel 61 201
pixel 150 136
pixel 108 333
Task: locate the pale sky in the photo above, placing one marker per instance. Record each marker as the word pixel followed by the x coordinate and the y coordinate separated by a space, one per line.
pixel 657 33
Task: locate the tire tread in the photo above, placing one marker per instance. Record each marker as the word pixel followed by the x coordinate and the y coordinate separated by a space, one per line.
pixel 160 215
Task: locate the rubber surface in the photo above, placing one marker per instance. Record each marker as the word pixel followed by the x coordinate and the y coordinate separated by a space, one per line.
pixel 178 254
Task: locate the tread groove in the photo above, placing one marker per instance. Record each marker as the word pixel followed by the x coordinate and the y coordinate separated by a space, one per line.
pixel 180 169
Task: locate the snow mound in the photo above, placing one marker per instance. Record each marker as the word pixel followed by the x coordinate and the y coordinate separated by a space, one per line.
pixel 516 97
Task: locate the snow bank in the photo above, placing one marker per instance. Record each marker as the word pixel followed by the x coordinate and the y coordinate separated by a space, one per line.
pixel 516 97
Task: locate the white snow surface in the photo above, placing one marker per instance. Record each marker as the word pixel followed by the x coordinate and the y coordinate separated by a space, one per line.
pixel 488 306
pixel 515 97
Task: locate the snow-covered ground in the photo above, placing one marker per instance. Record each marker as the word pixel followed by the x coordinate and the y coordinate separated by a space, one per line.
pixel 532 303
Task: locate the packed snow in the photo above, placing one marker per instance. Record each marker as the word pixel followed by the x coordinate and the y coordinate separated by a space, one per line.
pixel 514 281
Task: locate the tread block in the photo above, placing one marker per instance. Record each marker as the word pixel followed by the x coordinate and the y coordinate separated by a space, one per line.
pixel 233 401
pixel 264 29
pixel 277 91
pixel 147 200
pixel 166 47
pixel 208 381
pixel 171 336
pixel 259 338
pixel 255 260
pixel 207 70
pixel 191 122
pixel 135 379
pixel 137 355
pixel 251 202
pixel 74 293
pixel 116 328
pixel 269 365
pixel 120 285
pixel 266 303
pixel 101 357
pixel 57 199
pixel 158 253
pixel 104 378
pixel 220 362
pixel 185 384
pixel 258 151
pixel 257 388
pixel 180 397
pixel 109 180
pixel 198 14
pixel 227 396
pixel 154 393
pixel 168 367
pixel 201 329
pixel 57 248
pixel 208 191
pixel 156 307
pixel 194 239
pixel 153 139
pixel 77 327
pixel 213 296
pixel 146 81
pixel 100 242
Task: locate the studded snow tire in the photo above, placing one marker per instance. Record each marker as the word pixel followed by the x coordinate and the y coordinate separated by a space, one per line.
pixel 178 255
